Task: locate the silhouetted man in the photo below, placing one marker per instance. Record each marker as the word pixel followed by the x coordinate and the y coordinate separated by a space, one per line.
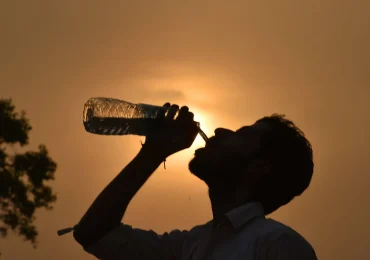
pixel 250 173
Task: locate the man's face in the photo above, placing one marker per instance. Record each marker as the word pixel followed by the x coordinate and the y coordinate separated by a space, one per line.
pixel 227 154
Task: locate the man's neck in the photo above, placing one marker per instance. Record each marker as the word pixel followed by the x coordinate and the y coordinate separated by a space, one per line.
pixel 221 204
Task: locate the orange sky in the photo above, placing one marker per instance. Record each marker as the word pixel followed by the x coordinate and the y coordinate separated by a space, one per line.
pixel 232 62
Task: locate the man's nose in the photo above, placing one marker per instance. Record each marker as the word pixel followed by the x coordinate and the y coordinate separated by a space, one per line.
pixel 222 131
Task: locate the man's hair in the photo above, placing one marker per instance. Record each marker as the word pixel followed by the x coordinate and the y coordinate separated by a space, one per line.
pixel 290 155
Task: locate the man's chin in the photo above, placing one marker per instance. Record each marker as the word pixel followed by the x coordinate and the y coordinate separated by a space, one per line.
pixel 193 165
pixel 198 168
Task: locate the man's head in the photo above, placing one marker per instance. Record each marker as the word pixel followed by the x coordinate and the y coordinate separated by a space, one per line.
pixel 270 160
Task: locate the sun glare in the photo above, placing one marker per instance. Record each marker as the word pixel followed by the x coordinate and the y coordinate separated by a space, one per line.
pixel 205 124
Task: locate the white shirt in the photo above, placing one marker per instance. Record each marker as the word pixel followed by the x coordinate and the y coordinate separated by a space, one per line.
pixel 243 234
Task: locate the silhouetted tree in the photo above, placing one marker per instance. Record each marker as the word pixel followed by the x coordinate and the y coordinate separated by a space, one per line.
pixel 22 176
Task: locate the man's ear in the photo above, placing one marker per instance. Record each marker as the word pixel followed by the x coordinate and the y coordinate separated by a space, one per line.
pixel 259 168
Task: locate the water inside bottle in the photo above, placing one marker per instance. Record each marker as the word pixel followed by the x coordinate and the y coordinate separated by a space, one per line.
pixel 123 126
pixel 119 126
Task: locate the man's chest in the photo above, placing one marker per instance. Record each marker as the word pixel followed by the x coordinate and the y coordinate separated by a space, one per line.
pixel 221 245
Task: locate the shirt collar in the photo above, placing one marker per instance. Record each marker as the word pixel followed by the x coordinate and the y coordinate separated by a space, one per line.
pixel 242 214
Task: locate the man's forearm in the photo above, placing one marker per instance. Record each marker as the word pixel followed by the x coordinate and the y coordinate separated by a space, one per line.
pixel 108 209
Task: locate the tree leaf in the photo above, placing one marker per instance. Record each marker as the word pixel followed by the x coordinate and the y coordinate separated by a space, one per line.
pixel 22 176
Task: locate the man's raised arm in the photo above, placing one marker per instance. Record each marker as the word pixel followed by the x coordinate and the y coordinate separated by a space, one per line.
pixel 109 207
pixel 168 136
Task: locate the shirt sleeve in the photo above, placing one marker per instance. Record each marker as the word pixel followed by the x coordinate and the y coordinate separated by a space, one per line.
pixel 125 242
pixel 286 247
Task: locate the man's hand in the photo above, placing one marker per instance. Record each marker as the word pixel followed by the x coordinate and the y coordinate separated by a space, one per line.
pixel 169 134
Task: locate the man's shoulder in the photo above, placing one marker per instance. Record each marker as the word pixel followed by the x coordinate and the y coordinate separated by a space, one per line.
pixel 268 226
pixel 271 225
pixel 272 230
pixel 192 232
pixel 199 229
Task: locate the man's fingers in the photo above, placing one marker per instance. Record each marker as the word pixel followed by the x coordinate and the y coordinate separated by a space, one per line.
pixel 162 111
pixel 183 113
pixel 172 111
pixel 190 116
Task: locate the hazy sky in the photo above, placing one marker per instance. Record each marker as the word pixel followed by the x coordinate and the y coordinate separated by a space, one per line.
pixel 232 62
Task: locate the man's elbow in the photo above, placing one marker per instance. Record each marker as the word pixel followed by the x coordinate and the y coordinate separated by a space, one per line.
pixel 89 236
pixel 80 236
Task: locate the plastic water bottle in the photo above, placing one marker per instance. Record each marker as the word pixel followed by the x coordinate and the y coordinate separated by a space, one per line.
pixel 109 116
